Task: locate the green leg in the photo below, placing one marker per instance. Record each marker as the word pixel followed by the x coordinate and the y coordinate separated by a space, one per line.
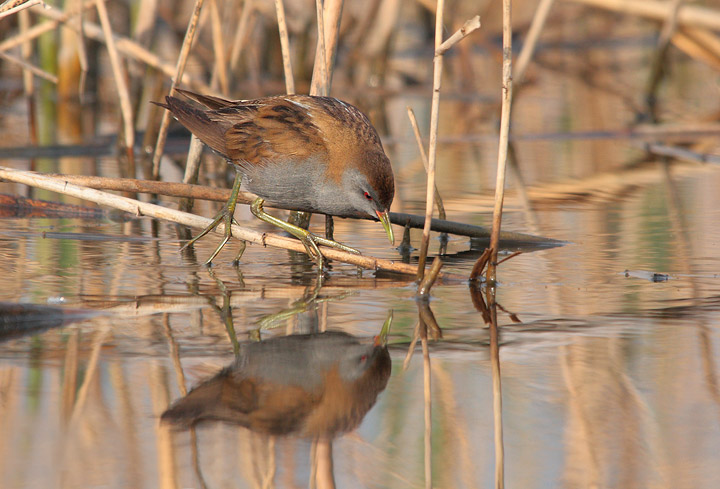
pixel 226 217
pixel 309 240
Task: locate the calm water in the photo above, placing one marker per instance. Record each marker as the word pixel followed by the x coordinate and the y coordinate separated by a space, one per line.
pixel 610 379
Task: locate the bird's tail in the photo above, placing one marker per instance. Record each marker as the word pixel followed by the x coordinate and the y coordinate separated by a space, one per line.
pixel 200 122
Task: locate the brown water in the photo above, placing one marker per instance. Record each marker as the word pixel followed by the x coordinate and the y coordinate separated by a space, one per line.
pixel 609 380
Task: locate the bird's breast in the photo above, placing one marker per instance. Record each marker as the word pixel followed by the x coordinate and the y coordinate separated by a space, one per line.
pixel 298 185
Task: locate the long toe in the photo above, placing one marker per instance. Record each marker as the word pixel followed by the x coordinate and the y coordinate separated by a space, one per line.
pixel 334 244
pixel 310 243
pixel 215 223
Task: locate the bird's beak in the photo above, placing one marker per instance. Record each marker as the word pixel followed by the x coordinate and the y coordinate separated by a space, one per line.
pixel 381 339
pixel 385 220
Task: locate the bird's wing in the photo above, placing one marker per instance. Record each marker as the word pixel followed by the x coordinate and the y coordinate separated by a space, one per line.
pixel 253 132
pixel 268 129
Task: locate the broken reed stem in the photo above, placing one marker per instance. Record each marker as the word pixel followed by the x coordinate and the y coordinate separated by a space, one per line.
pixel 151 210
pixel 180 68
pixel 503 142
pixel 285 47
pixel 30 68
pixel 429 278
pixel 120 81
pixel 467 28
pixel 432 153
pixel 480 264
pixel 428 317
pixel 424 158
pixel 531 39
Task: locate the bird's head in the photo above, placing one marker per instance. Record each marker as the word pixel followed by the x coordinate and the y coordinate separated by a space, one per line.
pixel 370 188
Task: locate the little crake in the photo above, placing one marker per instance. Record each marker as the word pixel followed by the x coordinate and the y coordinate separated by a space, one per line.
pixel 299 152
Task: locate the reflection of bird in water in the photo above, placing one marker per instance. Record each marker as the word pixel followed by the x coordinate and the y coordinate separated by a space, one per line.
pixel 311 385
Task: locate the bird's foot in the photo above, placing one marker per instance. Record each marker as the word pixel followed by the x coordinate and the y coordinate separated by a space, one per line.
pixel 309 240
pixel 225 216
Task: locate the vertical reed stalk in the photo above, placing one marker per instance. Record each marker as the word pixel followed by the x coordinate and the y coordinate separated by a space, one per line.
pixel 320 82
pixel 432 153
pixel 120 82
pixel 331 15
pixel 328 27
pixel 497 390
pixel 85 66
pixel 428 400
pixel 179 70
pixel 26 52
pixel 240 34
pixel 221 72
pixel 503 143
pixel 440 49
pixel 192 169
pixel 285 47
pixel 324 477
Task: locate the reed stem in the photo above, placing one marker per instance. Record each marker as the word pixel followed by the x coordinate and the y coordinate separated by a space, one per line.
pixel 179 70
pixel 503 143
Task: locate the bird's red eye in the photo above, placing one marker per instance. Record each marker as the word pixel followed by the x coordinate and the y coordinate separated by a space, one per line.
pixel 368 196
pixel 363 359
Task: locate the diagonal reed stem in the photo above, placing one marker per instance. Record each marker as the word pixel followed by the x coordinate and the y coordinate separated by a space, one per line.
pixel 180 68
pixel 152 210
pixel 424 158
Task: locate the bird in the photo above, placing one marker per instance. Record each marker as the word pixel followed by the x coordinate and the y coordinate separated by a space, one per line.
pixel 299 152
pixel 316 385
